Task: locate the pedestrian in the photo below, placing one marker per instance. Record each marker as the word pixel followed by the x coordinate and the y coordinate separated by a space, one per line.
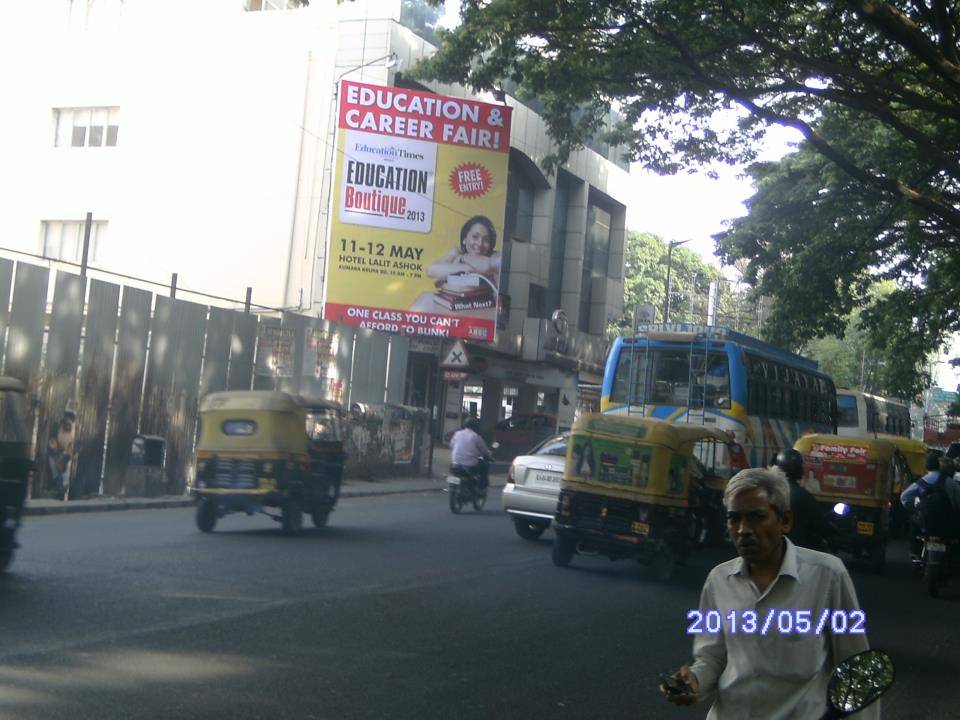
pixel 757 665
pixel 810 528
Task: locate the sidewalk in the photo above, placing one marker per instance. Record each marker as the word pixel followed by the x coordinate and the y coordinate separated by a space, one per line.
pixel 352 487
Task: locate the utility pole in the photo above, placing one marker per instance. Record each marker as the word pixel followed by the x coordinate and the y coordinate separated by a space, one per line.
pixel 670 246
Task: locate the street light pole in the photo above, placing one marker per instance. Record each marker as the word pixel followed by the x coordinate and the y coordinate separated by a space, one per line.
pixel 670 246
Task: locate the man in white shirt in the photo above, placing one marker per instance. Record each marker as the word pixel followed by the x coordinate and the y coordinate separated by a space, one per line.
pixel 788 614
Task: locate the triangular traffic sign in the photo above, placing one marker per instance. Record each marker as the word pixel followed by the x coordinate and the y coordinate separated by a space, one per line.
pixel 456 357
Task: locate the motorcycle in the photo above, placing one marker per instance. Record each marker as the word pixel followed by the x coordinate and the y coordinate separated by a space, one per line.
pixel 935 556
pixel 466 486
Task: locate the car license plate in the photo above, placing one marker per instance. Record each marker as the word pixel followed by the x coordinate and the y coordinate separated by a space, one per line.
pixel 545 478
pixel 936 547
pixel 641 527
pixel 453 480
pixel 865 528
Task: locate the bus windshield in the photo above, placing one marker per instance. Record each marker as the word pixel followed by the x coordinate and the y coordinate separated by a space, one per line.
pixel 672 376
pixel 847 408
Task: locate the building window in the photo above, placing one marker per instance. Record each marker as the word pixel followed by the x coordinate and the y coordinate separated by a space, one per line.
pixel 537 302
pixel 255 5
pixel 63 239
pixel 558 247
pixel 596 258
pixel 86 127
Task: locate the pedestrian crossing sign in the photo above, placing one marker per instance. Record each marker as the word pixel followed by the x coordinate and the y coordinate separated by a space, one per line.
pixel 456 358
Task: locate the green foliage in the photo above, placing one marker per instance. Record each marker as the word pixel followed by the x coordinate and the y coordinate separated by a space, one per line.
pixel 645 281
pixel 859 359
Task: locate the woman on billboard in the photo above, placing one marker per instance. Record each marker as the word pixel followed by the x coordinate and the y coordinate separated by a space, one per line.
pixel 466 276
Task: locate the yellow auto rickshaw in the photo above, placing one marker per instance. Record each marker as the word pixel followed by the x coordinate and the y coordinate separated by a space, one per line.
pixel 914 453
pixel 15 464
pixel 853 479
pixel 264 449
pixel 626 490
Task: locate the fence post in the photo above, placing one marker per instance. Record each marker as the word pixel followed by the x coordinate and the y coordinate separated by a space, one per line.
pixel 87 225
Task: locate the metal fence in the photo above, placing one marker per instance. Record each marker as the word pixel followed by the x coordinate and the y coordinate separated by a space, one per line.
pixel 105 362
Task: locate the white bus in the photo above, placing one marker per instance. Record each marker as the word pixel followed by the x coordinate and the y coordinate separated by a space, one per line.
pixel 865 415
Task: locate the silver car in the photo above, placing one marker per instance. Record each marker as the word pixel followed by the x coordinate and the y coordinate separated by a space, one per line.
pixel 533 485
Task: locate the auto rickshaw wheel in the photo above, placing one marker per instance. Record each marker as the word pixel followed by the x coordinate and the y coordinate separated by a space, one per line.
pixel 320 518
pixel 291 518
pixel 529 529
pixel 664 561
pixel 878 557
pixel 206 515
pixel 563 550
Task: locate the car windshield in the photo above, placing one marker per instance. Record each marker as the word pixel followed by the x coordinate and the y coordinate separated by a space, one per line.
pixel 552 446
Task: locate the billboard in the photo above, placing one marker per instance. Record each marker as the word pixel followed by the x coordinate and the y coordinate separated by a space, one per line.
pixel 417 221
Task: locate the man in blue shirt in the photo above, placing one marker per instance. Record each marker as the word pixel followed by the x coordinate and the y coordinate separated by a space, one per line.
pixel 936 469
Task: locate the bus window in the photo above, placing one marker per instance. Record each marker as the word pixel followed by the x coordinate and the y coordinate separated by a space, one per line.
pixel 847 405
pixel 668 382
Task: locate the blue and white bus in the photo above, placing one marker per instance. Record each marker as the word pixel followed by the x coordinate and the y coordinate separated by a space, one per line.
pixel 766 396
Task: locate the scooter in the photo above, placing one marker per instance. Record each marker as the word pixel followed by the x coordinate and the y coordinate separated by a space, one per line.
pixel 465 486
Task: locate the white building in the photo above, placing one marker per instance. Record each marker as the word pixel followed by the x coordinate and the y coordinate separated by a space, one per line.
pixel 200 139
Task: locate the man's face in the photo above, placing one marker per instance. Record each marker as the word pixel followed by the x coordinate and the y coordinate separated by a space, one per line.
pixel 755 527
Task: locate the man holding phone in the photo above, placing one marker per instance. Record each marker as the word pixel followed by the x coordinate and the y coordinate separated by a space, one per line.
pixel 781 616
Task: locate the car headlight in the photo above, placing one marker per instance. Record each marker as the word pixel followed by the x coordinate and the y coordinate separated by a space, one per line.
pixel 841 509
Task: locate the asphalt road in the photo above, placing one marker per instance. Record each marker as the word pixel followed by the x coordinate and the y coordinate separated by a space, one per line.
pixel 397 610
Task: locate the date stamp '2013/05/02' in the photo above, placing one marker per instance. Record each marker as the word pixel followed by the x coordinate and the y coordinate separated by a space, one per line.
pixel 784 622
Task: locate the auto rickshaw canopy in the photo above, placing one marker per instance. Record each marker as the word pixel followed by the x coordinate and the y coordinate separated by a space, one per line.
pixel 635 458
pixel 257 421
pixel 914 452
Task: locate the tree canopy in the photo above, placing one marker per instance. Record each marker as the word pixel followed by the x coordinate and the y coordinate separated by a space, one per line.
pixel 872 86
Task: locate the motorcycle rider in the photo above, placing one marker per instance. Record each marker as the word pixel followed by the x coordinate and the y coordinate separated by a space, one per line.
pixel 810 528
pixel 470 453
pixel 939 470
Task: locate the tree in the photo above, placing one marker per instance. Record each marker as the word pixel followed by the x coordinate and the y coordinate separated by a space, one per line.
pixel 820 243
pixel 859 360
pixel 872 86
pixel 645 281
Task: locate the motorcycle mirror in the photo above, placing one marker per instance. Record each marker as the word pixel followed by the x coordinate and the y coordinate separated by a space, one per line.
pixel 858 681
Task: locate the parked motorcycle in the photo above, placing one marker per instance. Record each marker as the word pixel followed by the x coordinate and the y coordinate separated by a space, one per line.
pixel 465 486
